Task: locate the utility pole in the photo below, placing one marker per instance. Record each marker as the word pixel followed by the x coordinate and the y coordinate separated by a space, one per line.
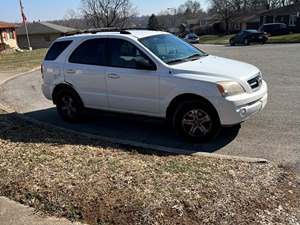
pixel 25 24
pixel 174 16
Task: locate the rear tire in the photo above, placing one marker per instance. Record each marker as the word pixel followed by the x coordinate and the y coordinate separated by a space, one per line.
pixel 246 42
pixel 69 105
pixel 196 121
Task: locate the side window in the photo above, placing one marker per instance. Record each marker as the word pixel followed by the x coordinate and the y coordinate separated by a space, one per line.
pixel 126 55
pixel 90 52
pixel 56 49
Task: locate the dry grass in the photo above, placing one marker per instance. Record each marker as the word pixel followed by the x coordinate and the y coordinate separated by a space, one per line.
pixel 16 62
pixel 104 183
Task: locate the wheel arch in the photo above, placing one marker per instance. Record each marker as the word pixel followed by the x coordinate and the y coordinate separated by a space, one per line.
pixel 184 98
pixel 64 87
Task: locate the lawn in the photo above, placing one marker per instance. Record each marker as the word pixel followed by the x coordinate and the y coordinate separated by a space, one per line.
pixel 290 38
pixel 100 183
pixel 21 61
pixel 223 40
pixel 215 39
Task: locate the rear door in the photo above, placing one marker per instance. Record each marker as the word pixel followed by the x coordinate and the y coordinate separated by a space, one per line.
pixel 85 70
pixel 131 88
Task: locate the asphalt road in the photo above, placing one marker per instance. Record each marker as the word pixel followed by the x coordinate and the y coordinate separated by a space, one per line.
pixel 273 134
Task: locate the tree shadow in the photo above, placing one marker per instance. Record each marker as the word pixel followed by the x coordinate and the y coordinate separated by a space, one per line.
pixel 119 127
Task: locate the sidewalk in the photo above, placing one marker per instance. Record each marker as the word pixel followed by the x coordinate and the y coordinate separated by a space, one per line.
pixel 13 213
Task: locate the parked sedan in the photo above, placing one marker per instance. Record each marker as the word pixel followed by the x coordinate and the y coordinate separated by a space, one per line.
pixel 247 37
pixel 192 38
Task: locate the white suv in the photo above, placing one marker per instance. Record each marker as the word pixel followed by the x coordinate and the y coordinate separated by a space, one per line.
pixel 154 74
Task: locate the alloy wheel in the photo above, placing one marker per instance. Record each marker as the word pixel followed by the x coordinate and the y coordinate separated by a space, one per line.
pixel 197 123
pixel 68 106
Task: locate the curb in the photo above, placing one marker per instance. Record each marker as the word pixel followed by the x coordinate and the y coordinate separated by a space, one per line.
pixel 159 148
pixel 143 145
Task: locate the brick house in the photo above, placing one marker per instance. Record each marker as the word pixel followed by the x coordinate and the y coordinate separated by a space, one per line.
pixel 290 15
pixel 8 35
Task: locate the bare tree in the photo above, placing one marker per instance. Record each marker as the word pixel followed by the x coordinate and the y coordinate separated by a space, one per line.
pixel 226 10
pixel 107 13
pixel 191 8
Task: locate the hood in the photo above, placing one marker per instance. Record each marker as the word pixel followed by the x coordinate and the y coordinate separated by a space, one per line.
pixel 217 67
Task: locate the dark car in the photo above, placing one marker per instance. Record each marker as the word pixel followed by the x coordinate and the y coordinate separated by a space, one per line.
pixel 274 29
pixel 247 37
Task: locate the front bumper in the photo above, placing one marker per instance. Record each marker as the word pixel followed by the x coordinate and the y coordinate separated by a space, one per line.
pixel 237 109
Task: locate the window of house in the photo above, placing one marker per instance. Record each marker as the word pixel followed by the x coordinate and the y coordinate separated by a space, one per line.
pixel 11 34
pixel 90 52
pixel 293 19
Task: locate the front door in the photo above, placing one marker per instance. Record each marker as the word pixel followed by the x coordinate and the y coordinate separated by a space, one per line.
pixel 131 86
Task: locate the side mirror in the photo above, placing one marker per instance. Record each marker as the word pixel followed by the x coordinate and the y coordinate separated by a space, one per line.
pixel 144 64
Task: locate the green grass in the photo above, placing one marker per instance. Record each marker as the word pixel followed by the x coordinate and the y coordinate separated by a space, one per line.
pixel 21 61
pixel 224 39
pixel 215 39
pixel 290 38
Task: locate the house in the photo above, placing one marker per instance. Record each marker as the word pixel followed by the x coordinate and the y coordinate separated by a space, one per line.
pixel 41 34
pixel 246 21
pixel 204 25
pixel 290 15
pixel 7 35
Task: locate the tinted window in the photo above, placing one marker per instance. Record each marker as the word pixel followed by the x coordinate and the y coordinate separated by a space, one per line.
pixel 91 52
pixel 56 49
pixel 126 55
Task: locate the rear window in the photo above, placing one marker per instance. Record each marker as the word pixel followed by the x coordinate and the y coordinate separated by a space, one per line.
pixel 56 49
pixel 90 52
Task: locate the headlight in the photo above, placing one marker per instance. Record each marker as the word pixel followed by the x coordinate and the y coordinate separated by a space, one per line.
pixel 229 88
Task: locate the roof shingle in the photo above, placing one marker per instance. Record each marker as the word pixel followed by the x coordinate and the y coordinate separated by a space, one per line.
pixel 44 28
pixel 4 25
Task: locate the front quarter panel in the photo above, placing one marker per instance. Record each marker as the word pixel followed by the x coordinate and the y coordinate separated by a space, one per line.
pixel 176 85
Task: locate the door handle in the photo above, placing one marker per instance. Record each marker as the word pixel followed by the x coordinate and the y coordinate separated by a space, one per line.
pixel 113 76
pixel 70 71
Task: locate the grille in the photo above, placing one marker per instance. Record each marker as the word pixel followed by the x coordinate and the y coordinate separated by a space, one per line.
pixel 255 82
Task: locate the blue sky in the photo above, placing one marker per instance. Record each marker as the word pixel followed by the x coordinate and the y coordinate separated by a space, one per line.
pixel 56 9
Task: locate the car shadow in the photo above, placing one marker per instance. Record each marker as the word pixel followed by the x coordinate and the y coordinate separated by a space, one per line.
pixel 128 128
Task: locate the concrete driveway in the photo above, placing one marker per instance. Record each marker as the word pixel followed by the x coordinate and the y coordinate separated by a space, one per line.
pixel 273 134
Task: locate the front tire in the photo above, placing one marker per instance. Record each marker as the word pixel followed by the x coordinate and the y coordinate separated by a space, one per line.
pixel 196 121
pixel 69 106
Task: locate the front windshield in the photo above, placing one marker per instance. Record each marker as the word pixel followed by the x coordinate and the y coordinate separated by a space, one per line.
pixel 171 49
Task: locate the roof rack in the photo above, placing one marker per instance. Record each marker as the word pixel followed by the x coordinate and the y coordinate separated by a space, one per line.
pixel 108 29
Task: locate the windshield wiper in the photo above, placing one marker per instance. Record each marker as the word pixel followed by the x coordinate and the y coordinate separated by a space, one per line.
pixel 192 57
pixel 195 56
pixel 176 61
